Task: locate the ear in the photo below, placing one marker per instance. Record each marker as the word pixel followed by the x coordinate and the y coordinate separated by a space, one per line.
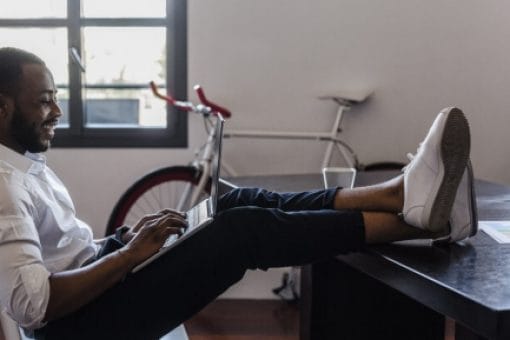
pixel 6 105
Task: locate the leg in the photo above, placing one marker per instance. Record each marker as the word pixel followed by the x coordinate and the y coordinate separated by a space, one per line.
pixel 382 227
pixel 386 196
pixel 380 204
pixel 291 201
pixel 179 284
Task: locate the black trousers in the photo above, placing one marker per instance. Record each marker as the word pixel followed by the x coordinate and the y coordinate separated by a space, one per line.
pixel 255 229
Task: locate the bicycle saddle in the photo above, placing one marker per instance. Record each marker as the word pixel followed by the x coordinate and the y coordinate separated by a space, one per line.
pixel 349 97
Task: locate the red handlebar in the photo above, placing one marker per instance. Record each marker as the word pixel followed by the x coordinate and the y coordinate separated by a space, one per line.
pixel 188 106
pixel 215 107
pixel 181 105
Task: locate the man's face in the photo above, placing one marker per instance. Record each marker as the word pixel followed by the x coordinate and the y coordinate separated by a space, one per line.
pixel 36 112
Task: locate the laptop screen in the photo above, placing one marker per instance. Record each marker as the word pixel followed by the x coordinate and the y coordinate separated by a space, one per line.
pixel 216 164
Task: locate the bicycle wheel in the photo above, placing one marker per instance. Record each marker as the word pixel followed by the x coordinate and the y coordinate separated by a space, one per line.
pixel 163 188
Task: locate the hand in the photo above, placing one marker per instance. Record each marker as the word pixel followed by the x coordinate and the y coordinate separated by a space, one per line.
pixel 151 232
pixel 128 236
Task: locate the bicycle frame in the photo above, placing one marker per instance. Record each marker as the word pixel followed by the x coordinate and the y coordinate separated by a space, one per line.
pixel 204 164
pixel 330 137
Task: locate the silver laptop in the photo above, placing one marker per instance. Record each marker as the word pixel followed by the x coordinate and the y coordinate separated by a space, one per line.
pixel 203 213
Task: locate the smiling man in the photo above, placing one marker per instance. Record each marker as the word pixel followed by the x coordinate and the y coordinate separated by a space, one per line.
pixel 41 240
pixel 59 283
pixel 32 115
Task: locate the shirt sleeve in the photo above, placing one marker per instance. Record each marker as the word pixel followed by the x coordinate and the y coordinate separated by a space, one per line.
pixel 24 280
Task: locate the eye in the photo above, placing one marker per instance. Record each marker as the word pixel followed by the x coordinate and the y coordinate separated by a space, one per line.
pixel 46 102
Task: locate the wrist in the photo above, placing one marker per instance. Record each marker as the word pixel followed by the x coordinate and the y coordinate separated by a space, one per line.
pixel 127 259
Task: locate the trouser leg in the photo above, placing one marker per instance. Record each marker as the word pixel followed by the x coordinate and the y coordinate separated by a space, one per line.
pixel 151 302
pixel 290 201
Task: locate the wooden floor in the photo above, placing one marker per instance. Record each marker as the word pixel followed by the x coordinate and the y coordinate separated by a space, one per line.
pixel 245 320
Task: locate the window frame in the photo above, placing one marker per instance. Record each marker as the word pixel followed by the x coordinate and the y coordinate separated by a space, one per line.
pixel 77 134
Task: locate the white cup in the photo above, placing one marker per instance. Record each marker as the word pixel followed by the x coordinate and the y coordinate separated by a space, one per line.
pixel 339 177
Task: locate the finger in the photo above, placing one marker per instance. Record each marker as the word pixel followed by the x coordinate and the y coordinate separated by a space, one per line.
pixel 173 221
pixel 164 233
pixel 174 231
pixel 144 220
pixel 159 232
pixel 169 211
pixel 165 222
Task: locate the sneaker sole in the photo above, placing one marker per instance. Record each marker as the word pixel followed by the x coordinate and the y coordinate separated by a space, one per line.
pixel 470 229
pixel 473 211
pixel 455 145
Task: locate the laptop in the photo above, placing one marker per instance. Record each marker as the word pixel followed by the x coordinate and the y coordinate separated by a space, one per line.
pixel 203 213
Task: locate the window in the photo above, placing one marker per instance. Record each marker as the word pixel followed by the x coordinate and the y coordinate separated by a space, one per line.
pixel 103 55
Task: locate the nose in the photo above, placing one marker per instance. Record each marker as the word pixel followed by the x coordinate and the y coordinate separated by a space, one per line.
pixel 56 110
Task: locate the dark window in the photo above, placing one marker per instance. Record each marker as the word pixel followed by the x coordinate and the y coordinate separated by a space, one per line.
pixel 103 55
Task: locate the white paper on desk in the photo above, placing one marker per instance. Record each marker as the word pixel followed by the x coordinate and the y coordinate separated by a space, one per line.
pixel 498 230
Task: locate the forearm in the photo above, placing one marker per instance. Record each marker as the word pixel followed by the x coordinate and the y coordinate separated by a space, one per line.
pixel 72 289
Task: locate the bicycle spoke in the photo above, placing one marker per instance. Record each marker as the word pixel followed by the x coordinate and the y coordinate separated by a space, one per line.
pixel 165 195
pixel 150 202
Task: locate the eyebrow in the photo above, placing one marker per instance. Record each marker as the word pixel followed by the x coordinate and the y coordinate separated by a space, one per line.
pixel 51 92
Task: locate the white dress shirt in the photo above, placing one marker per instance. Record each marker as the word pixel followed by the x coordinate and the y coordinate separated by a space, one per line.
pixel 39 235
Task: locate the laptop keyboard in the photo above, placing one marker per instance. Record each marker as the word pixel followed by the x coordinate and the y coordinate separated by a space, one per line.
pixel 194 216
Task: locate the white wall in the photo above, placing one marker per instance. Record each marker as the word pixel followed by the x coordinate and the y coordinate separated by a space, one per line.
pixel 268 60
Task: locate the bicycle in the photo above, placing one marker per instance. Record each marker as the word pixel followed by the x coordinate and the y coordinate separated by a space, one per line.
pixel 181 187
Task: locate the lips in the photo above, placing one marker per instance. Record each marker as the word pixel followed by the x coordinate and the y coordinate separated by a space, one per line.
pixel 49 127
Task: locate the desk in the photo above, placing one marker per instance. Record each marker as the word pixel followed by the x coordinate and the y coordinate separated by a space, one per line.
pixel 403 290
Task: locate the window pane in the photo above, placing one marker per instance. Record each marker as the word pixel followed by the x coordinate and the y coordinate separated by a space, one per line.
pixel 112 60
pixel 111 57
pixel 124 108
pixel 123 9
pixel 63 102
pixel 48 43
pixel 33 9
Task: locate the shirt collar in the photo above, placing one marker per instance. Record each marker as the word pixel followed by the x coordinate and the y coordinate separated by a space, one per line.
pixel 29 162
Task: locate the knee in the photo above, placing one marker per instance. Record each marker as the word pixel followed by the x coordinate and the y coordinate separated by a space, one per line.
pixel 229 199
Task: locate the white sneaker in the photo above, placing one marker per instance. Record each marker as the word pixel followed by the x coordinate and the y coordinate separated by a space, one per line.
pixel 431 179
pixel 463 219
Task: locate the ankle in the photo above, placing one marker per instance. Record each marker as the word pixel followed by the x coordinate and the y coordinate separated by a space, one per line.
pixel 396 193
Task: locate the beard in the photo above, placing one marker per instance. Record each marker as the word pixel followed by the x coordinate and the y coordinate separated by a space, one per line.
pixel 27 135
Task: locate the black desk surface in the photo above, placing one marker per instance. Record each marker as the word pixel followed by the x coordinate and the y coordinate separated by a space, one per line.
pixel 467 281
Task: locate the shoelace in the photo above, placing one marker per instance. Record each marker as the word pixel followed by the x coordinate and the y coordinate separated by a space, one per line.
pixel 411 157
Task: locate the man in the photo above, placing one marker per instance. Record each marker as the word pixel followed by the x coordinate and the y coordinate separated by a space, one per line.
pixel 56 281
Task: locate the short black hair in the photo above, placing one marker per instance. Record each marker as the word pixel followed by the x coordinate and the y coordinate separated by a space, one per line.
pixel 11 61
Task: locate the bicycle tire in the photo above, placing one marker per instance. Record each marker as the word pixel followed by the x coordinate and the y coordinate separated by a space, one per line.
pixel 157 190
